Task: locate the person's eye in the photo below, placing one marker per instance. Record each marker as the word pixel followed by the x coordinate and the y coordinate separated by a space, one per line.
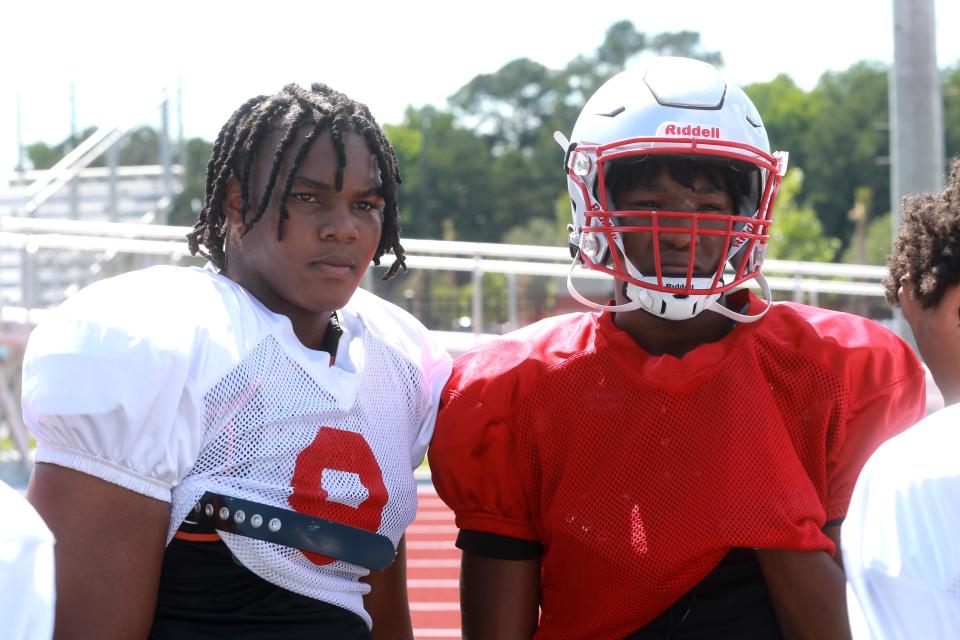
pixel 303 197
pixel 709 207
pixel 373 207
pixel 643 205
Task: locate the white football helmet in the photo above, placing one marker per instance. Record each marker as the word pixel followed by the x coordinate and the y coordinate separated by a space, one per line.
pixel 671 107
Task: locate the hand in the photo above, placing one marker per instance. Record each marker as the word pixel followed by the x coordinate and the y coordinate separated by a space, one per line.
pixel 937 332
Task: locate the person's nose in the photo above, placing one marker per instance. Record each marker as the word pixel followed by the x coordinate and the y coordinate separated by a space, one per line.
pixel 339 224
pixel 677 231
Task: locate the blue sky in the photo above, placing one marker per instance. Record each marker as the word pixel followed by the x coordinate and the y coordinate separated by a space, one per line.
pixel 389 54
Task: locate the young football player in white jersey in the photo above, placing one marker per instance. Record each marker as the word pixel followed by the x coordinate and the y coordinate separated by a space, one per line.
pixel 677 464
pixel 228 451
pixel 901 545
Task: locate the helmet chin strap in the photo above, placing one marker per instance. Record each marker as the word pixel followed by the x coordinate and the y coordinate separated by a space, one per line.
pixel 678 310
pixel 628 306
pixel 716 307
pixel 645 301
pixel 671 306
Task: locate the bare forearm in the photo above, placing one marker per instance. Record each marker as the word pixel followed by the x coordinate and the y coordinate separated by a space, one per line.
pixel 483 619
pixel 397 628
pixel 808 593
pixel 388 603
pixel 499 599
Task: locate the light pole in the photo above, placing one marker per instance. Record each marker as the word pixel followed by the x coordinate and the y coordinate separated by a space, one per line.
pixel 916 111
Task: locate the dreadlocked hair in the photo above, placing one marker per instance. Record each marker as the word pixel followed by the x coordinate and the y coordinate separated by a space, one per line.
pixel 927 249
pixel 288 112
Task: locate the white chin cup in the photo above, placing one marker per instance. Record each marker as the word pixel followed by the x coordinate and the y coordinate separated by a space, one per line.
pixel 667 305
pixel 670 306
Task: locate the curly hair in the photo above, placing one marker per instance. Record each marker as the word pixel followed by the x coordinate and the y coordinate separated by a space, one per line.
pixel 291 110
pixel 928 243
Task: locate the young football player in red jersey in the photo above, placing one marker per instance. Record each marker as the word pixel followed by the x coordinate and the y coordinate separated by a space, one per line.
pixel 228 451
pixel 678 464
pixel 900 543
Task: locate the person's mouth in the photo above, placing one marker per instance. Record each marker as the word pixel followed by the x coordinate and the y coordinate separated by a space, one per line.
pixel 673 269
pixel 332 265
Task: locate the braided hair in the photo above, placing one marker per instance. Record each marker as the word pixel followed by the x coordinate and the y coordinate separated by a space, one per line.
pixel 288 112
pixel 927 249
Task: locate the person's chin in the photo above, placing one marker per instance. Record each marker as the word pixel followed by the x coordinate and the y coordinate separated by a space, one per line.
pixel 336 296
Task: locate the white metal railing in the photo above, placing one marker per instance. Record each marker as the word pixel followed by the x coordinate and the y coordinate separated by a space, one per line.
pixel 28 177
pixel 109 239
pixel 805 281
pixel 526 259
pixel 785 275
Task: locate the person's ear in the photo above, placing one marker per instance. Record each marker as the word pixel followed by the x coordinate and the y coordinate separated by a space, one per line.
pixel 233 204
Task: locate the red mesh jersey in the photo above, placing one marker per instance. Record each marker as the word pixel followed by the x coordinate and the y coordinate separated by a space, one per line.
pixel 639 473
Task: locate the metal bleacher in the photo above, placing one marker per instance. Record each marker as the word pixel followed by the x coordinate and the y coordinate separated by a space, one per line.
pixel 74 189
pixel 35 276
pixel 33 279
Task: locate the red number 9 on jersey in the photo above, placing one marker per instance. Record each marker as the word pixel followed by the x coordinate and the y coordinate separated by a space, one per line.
pixel 337 450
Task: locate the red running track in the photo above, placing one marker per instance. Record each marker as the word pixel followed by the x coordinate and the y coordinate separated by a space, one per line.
pixel 433 569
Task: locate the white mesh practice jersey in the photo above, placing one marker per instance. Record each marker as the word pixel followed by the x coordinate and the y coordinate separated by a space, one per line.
pixel 901 537
pixel 26 570
pixel 174 381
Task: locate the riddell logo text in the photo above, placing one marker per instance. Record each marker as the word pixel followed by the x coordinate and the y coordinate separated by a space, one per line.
pixel 694 131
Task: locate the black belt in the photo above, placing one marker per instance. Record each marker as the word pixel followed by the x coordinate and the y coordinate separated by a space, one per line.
pixel 292 529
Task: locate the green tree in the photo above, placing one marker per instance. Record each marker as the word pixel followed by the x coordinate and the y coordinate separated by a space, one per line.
pixel 512 105
pixel 536 231
pixel 877 243
pixel 446 190
pixel 517 109
pixel 139 147
pixel 541 231
pixel 43 156
pixel 524 100
pixel 796 232
pixel 787 112
pixel 845 146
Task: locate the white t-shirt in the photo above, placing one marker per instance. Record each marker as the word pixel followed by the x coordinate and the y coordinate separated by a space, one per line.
pixel 901 536
pixel 26 570
pixel 174 381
